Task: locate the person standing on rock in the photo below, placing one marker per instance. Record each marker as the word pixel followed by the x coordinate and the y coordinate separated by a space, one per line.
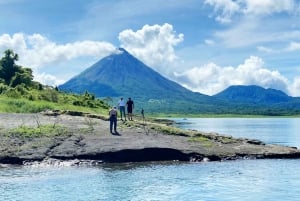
pixel 130 107
pixel 113 115
pixel 121 105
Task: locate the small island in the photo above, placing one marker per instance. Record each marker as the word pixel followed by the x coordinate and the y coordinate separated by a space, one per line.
pixel 85 138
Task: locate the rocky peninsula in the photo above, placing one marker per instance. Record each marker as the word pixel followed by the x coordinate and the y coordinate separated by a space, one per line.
pixel 86 137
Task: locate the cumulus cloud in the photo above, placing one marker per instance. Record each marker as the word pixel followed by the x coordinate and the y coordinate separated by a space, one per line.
pixel 154 45
pixel 48 79
pixel 36 51
pixel 211 78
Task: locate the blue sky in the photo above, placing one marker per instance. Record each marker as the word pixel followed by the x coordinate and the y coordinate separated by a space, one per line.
pixel 205 45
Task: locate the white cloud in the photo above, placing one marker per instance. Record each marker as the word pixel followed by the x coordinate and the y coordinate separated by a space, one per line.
pixel 294 88
pixel 256 22
pixel 226 9
pixel 265 49
pixel 266 7
pixel 154 45
pixel 15 42
pixel 48 79
pixel 211 79
pixel 251 32
pixel 209 42
pixel 36 51
pixel 293 46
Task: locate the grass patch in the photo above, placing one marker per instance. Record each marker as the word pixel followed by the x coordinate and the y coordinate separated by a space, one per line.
pixel 227 140
pixel 22 105
pixel 169 130
pixel 206 142
pixel 40 131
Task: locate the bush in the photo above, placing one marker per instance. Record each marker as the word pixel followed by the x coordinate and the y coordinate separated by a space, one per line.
pixel 49 95
pixel 3 88
pixel 13 93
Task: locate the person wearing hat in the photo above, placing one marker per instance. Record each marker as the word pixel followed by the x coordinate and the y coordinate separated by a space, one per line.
pixel 113 115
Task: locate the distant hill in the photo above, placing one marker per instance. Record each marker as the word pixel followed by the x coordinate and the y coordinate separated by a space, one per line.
pixel 253 94
pixel 123 75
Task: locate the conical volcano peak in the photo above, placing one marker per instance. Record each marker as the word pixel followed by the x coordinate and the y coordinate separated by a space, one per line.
pixel 122 74
pixel 122 50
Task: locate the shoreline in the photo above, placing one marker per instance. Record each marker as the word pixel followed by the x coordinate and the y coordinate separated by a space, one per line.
pixel 88 139
pixel 162 116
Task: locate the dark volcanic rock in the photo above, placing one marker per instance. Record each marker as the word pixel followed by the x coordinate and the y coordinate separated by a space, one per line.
pixel 90 140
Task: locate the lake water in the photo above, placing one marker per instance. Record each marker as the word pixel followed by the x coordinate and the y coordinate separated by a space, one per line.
pixel 283 131
pixel 232 180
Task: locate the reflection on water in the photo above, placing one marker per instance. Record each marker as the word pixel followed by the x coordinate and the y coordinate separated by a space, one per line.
pixel 233 180
pixel 284 131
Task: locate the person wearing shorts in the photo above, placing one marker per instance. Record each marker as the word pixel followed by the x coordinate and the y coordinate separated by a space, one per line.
pixel 130 107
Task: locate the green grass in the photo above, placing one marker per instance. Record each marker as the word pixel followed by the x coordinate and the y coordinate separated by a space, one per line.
pixel 22 105
pixel 206 142
pixel 40 131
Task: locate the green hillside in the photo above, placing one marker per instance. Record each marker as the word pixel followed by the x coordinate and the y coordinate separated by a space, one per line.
pixel 20 94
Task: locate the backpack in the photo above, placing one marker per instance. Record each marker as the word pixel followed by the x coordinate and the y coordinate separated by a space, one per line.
pixel 113 112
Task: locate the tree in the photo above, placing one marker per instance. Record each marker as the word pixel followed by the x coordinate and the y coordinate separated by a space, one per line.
pixel 24 76
pixel 13 74
pixel 8 66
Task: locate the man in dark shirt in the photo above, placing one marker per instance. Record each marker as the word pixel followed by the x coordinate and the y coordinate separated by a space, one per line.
pixel 130 107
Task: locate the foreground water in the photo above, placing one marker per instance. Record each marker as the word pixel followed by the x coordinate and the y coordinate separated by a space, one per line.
pixel 231 180
pixel 235 180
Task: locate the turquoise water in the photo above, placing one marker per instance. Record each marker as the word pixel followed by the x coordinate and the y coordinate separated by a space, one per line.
pixel 283 131
pixel 232 180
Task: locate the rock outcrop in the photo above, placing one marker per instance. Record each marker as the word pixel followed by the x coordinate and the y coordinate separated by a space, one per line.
pixel 88 138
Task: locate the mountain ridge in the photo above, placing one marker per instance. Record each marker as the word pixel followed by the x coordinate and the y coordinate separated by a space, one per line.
pixel 253 94
pixel 123 75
